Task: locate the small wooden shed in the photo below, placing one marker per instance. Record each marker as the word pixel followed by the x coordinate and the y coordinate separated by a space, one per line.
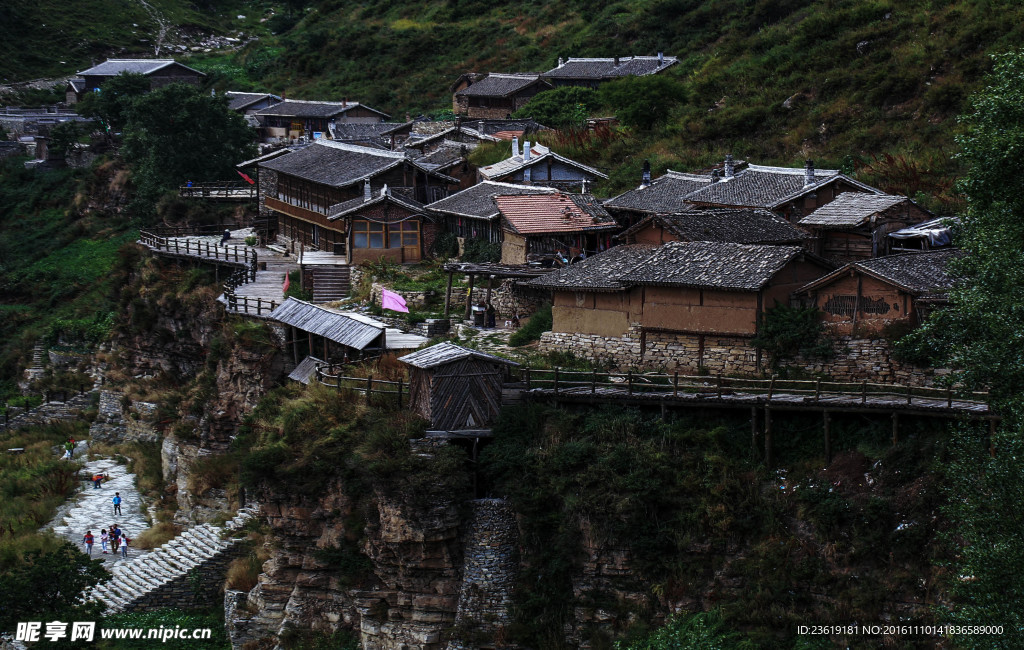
pixel 455 387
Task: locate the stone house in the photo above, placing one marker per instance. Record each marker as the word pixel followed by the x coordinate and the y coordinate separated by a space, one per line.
pixel 497 95
pixel 304 192
pixel 740 226
pixel 552 226
pixel 685 305
pixel 663 195
pixel 292 119
pixel 473 213
pixel 536 164
pixel 855 225
pixel 160 72
pixel 863 298
pixel 592 72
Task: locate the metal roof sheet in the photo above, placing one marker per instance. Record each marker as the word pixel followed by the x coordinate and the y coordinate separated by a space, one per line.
pixel 346 328
pixel 442 353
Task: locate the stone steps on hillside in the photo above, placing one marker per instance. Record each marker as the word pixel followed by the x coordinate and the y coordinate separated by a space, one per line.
pixel 169 568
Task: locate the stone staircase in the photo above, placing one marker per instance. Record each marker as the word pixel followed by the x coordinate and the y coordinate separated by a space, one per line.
pixel 184 572
pixel 331 283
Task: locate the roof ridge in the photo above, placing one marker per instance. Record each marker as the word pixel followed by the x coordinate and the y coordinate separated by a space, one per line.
pixel 320 101
pixel 751 167
pixel 355 148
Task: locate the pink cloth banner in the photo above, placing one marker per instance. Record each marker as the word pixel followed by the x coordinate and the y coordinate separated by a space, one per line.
pixel 393 301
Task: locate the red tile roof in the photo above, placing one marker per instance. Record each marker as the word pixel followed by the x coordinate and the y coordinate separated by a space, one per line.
pixel 548 213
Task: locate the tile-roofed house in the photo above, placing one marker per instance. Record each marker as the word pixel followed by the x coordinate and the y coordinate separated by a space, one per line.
pixel 663 195
pixel 291 119
pixel 300 189
pixel 538 164
pixel 789 192
pixel 855 225
pixel 505 129
pixel 161 72
pixel 367 134
pixel 740 226
pixel 74 91
pixel 561 225
pixel 384 225
pixel 681 304
pixel 497 95
pixel 867 296
pixel 247 103
pixel 473 212
pixel 591 72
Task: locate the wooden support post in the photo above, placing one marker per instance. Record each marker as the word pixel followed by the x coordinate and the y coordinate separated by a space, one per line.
pixel 593 382
pixel 817 390
pixel 448 296
pixel 490 279
pixel 556 380
pixel 469 296
pixel 910 396
pixel 369 386
pixel 753 431
pixel 675 384
pixel 718 385
pixel 992 438
pixel 895 428
pixel 768 458
pixel 864 391
pixel 771 387
pixel 827 421
pixel 527 369
pixel 629 381
pixel 949 398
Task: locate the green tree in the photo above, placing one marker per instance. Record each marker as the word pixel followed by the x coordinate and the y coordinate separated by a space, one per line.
pixel 642 102
pixel 46 585
pixel 560 108
pixel 64 136
pixel 177 133
pixel 982 334
pixel 112 103
pixel 701 631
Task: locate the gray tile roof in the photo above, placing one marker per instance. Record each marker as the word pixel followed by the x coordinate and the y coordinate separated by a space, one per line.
pixel 918 273
pixel 477 202
pixel 606 68
pixel 538 154
pixel 713 265
pixel 78 85
pixel 492 127
pixel 362 132
pixel 760 186
pixel 501 85
pixel 442 353
pixel 664 194
pixel 351 206
pixel 607 271
pixel 741 226
pixel 338 164
pixel 297 108
pixel 239 100
pixel 851 209
pixel 114 67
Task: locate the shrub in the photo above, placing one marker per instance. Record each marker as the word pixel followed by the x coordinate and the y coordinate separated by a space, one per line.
pixel 537 324
pixel 785 332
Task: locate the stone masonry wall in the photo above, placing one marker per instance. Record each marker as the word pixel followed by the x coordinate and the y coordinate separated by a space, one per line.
pixel 853 360
pixel 489 571
pixel 200 588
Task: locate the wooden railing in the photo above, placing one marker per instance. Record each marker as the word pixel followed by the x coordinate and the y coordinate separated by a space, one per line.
pixel 200 248
pixel 208 230
pixel 328 375
pixel 219 190
pixel 249 305
pixel 558 379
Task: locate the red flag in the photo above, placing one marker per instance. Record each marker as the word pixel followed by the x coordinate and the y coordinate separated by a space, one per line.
pixel 251 181
pixel 287 283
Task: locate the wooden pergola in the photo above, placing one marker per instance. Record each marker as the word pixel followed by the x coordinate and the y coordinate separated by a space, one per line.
pixel 492 271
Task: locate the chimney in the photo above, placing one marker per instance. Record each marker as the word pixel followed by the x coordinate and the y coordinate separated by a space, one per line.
pixel 344 103
pixel 808 172
pixel 515 146
pixel 661 58
pixel 526 150
pixel 561 62
pixel 714 175
pixel 645 179
pixel 367 192
pixel 729 167
pixel 616 61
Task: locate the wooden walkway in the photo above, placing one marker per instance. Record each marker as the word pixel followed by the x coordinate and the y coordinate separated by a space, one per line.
pixel 223 191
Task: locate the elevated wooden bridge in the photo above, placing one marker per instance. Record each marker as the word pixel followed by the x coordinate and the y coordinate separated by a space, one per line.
pixel 760 396
pixel 219 191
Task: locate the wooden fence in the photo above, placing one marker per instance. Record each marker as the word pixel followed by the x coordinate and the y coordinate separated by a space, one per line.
pixel 663 385
pixel 200 248
pixel 238 191
pixel 328 375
